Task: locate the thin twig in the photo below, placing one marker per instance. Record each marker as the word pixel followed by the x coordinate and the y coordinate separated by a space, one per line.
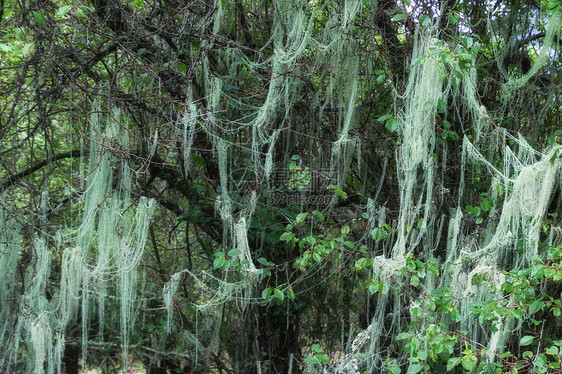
pixel 538 346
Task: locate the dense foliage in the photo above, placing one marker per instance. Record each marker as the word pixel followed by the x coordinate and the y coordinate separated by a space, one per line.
pixel 280 186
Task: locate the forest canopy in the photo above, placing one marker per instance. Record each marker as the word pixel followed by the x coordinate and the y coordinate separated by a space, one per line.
pixel 280 186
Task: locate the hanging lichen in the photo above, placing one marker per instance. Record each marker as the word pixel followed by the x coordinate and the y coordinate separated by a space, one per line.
pixel 552 31
pixel 266 84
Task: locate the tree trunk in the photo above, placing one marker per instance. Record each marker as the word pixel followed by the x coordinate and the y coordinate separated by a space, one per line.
pixel 279 340
pixel 70 359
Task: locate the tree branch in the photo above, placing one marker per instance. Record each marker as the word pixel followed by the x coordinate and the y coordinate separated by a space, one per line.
pixel 32 169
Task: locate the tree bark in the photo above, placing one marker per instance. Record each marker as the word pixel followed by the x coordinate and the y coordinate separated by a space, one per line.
pixel 70 359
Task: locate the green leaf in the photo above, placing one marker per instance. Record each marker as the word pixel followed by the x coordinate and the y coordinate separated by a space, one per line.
pixel 287 236
pixel 469 362
pixel 398 17
pixel 180 66
pixel 377 287
pixel 345 230
pixel 540 362
pixel 63 10
pixel 316 256
pixel 403 335
pixel 379 234
pixel 536 306
pixel 456 315
pixel 425 20
pixel 322 358
pixel 554 156
pixel 81 13
pixel 361 263
pixel 266 294
pixel 341 192
pixel 407 2
pixel 279 294
pixel 384 118
pixel 234 252
pixel 38 17
pixel 338 190
pixel 458 73
pixel 319 215
pixel 526 340
pixel 516 313
pixel 391 125
pixel 219 262
pixel 415 281
pixel 553 351
pixel 499 189
pixel 300 218
pixel 453 362
pixel 306 256
pixel 263 261
pixel 487 204
pixel 453 19
pixel 415 368
pixel 291 293
pixel 433 269
pixel 310 360
pixel 292 166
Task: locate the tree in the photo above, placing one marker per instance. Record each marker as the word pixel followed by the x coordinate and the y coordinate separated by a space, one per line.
pixel 280 186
